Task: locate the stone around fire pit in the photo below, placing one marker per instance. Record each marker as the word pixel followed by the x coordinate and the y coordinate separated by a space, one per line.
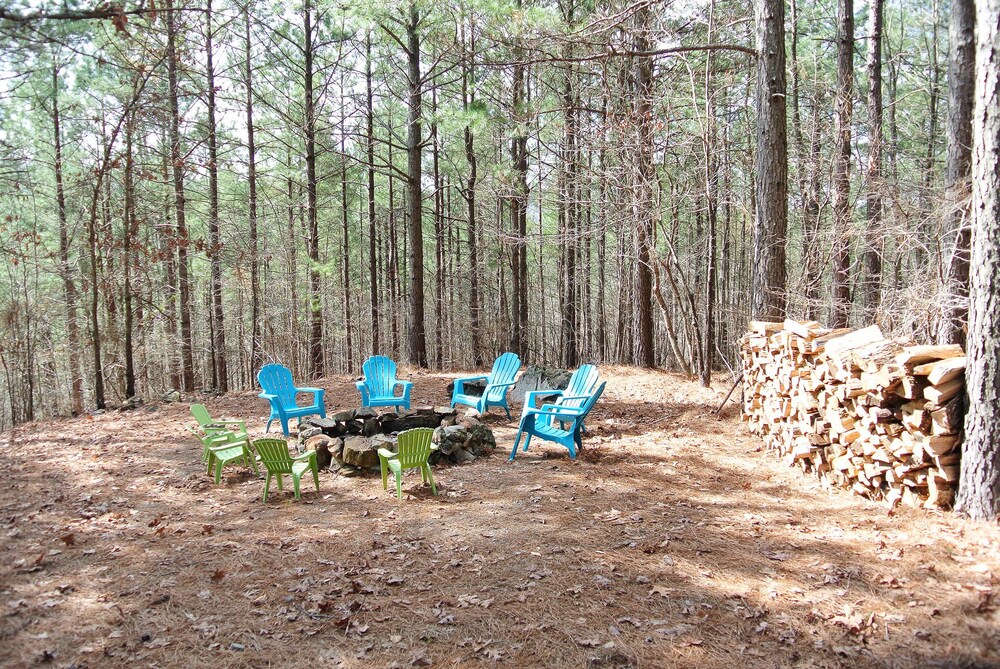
pixel 349 440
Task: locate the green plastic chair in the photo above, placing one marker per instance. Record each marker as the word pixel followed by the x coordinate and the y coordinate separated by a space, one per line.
pixel 413 448
pixel 278 462
pixel 221 448
pixel 209 424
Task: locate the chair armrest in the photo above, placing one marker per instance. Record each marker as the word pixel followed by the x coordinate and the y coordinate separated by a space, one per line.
pixel 529 397
pixel 360 385
pixel 472 378
pixel 267 396
pixel 569 413
pixel 434 447
pixel 387 454
pixel 308 455
pixel 566 398
pixel 405 384
pixel 309 390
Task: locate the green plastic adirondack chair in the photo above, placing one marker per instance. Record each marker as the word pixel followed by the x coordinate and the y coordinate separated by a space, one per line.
pixel 278 462
pixel 414 447
pixel 210 425
pixel 221 448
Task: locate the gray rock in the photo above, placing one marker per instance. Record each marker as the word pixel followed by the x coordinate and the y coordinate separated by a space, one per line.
pixel 360 452
pixel 383 441
pixel 307 433
pixel 461 456
pixel 347 471
pixel 534 377
pixel 322 423
pixel 371 427
pixel 365 412
pixel 343 416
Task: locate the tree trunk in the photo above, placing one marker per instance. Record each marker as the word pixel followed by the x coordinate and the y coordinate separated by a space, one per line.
pixel 841 186
pixel 69 285
pixel 129 231
pixel 372 237
pixel 874 235
pixel 979 484
pixel 711 200
pixel 771 220
pixel 316 359
pixel 256 347
pixel 181 239
pixel 345 230
pixel 220 360
pixel 469 193
pixel 646 173
pixel 519 213
pixel 414 195
pixel 961 97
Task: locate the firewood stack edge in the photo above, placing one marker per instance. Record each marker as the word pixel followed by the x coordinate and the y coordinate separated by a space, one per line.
pixel 876 415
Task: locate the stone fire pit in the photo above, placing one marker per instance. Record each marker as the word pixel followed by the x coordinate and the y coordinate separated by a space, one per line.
pixel 348 441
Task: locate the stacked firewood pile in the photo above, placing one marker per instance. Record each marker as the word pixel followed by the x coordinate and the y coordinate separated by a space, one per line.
pixel 876 415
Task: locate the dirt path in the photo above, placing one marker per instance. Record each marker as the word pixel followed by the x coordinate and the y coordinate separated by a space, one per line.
pixel 672 542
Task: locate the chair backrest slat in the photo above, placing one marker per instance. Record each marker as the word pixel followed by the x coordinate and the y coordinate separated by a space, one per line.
pixel 274 454
pixel 201 414
pixel 380 375
pixel 581 383
pixel 276 379
pixel 505 368
pixel 591 401
pixel 414 446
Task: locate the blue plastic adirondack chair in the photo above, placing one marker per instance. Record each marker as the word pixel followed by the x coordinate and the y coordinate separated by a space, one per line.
pixel 276 381
pixel 547 423
pixel 578 390
pixel 379 385
pixel 499 381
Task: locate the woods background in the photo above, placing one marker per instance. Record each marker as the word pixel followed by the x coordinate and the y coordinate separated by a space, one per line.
pixel 192 191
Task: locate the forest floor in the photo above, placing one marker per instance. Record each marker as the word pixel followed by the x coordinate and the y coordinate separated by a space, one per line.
pixel 673 541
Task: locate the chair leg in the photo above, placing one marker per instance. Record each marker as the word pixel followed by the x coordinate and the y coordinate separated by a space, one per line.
pixel 430 476
pixel 513 451
pixel 218 470
pixel 269 421
pixel 399 486
pixel 315 472
pixel 267 485
pixel 280 481
pixel 385 472
pixel 507 410
pixel 295 485
pixel 526 440
pixel 284 426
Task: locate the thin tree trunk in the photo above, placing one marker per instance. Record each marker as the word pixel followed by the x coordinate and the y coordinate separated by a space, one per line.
pixel 220 360
pixel 69 285
pixel 129 231
pixel 841 186
pixel 519 213
pixel 469 193
pixel 256 346
pixel 177 161
pixel 874 235
pixel 961 97
pixel 372 237
pixel 316 359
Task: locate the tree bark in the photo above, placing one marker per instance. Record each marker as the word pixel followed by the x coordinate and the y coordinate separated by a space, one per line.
pixel 69 285
pixel 372 230
pixel 841 186
pixel 256 346
pixel 129 232
pixel 961 98
pixel 316 359
pixel 519 213
pixel 180 222
pixel 874 235
pixel 646 214
pixel 979 483
pixel 220 360
pixel 771 220
pixel 414 194
pixel 469 194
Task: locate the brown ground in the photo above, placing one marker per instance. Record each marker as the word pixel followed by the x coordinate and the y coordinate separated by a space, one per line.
pixel 673 542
